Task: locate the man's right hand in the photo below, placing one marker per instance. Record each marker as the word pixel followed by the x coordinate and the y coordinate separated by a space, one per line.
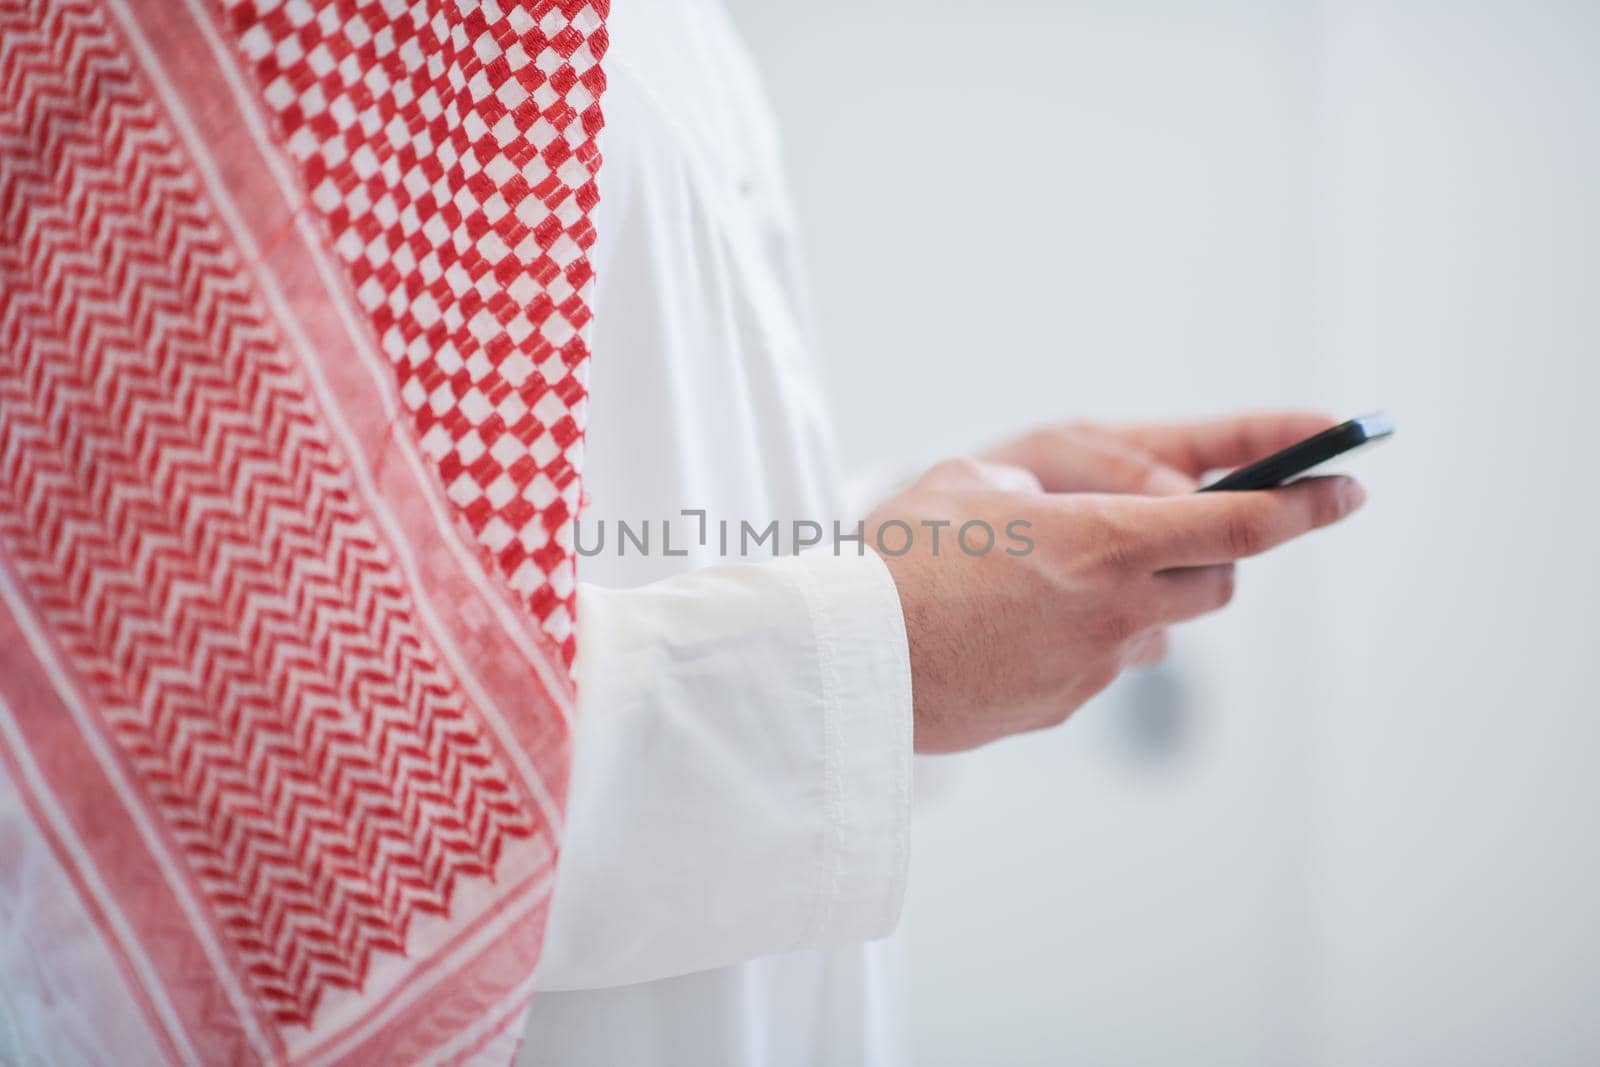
pixel 1016 640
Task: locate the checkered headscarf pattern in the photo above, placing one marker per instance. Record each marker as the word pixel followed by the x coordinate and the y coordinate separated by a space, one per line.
pixel 449 148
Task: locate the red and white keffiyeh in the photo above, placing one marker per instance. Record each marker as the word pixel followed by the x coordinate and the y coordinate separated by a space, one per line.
pixel 293 298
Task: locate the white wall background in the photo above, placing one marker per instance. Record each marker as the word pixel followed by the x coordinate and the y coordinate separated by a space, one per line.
pixel 1357 819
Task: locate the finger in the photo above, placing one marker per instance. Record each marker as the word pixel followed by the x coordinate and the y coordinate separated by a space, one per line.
pixel 1194 531
pixel 1211 444
pixel 1190 592
pixel 1102 463
pixel 1086 459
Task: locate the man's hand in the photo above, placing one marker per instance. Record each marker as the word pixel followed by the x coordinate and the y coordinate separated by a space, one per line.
pixel 1014 639
pixel 1158 459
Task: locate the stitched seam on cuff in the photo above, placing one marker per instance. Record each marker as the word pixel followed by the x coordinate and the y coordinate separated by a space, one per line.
pixel 904 704
pixel 827 674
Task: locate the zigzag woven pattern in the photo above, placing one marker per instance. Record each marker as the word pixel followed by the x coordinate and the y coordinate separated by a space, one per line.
pixel 450 150
pixel 173 505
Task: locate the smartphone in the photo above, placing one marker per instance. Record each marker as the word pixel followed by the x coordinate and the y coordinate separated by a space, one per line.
pixel 1301 456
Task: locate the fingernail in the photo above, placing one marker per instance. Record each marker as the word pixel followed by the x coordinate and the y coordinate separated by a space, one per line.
pixel 1354 495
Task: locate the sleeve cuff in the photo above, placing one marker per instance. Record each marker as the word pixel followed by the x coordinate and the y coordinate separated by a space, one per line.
pixel 741 770
pixel 866 698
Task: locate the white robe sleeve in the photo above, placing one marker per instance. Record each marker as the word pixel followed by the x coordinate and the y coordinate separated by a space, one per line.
pixel 741 774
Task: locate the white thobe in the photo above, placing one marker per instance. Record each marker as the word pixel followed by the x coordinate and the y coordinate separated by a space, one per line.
pixel 737 822
pixel 737 826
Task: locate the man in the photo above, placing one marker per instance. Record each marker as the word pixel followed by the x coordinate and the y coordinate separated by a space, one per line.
pixel 738 818
pixel 295 314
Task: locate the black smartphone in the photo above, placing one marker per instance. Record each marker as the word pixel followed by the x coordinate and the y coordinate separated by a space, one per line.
pixel 1301 456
